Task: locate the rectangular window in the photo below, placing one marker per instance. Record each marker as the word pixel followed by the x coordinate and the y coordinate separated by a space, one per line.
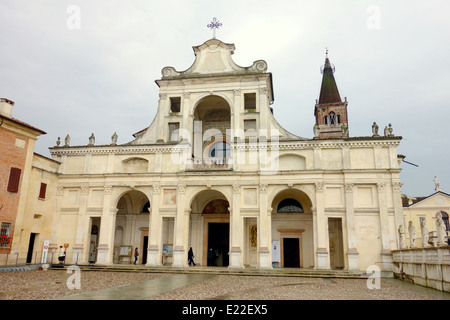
pixel 175 103
pixel 174 134
pixel 42 191
pixel 5 235
pixel 14 180
pixel 250 101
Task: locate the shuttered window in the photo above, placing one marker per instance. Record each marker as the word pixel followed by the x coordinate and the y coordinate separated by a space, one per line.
pixel 14 179
pixel 42 191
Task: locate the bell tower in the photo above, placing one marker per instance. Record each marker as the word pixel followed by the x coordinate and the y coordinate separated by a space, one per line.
pixel 330 111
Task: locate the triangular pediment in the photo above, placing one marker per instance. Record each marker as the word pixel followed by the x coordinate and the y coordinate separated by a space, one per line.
pixel 438 200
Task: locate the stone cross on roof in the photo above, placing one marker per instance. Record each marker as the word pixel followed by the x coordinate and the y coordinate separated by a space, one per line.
pixel 215 24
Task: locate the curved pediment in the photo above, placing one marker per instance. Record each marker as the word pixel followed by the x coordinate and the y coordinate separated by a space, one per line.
pixel 214 58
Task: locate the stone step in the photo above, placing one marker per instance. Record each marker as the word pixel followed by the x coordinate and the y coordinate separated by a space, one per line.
pixel 283 272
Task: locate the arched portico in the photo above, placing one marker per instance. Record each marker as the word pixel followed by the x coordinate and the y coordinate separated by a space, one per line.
pixel 131 227
pixel 292 229
pixel 209 234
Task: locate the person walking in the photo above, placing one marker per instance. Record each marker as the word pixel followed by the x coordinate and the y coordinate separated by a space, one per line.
pixel 136 255
pixel 191 257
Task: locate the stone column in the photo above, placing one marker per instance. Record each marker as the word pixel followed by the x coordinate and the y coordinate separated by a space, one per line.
pixel 185 109
pixel 81 238
pixel 180 248
pixel 263 108
pixel 238 109
pixel 352 252
pixel 196 234
pixel 161 117
pixel 264 230
pixel 323 261
pixel 155 220
pixel 236 222
pixel 107 229
pixel 398 208
pixel 386 255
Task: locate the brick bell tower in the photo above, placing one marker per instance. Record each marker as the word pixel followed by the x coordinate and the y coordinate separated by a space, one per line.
pixel 330 111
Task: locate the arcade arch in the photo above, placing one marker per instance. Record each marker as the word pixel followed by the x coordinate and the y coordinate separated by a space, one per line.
pixel 210 228
pixel 292 229
pixel 131 229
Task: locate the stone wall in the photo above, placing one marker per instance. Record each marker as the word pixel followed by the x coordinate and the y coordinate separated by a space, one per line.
pixel 429 267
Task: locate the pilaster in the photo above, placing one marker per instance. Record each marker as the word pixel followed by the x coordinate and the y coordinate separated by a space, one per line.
pixel 154 247
pixel 107 229
pixel 180 252
pixel 236 244
pixel 352 252
pixel 323 261
pixel 81 240
pixel 264 230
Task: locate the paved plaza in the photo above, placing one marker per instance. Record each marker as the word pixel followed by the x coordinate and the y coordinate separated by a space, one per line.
pixel 98 285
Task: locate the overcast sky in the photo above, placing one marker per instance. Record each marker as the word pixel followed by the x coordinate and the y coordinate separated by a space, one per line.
pixel 82 67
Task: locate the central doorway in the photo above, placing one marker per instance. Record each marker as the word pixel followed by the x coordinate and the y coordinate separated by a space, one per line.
pixel 218 244
pixel 291 255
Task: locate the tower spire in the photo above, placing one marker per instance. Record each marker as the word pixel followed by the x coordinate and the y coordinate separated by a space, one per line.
pixel 330 110
pixel 329 92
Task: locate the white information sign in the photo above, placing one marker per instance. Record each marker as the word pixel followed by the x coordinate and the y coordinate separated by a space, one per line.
pixel 276 252
pixel 45 251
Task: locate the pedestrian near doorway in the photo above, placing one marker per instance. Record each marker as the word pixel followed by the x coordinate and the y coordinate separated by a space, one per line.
pixel 191 257
pixel 136 255
pixel 61 255
pixel 210 257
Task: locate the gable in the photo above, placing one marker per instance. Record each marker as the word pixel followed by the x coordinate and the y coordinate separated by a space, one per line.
pixel 438 200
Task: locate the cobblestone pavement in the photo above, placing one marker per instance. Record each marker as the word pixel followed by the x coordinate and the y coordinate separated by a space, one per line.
pixel 43 285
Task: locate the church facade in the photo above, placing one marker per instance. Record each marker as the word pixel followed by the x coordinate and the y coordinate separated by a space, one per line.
pixel 215 172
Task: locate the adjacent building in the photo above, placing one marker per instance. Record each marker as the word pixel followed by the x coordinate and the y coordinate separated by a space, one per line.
pixel 17 140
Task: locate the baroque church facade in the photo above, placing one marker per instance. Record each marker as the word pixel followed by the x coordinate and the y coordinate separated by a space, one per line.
pixel 216 172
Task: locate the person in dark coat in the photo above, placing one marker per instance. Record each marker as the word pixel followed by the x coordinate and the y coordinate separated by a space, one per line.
pixel 210 257
pixel 191 257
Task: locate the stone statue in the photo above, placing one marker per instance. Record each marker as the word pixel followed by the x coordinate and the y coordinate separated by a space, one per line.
pixel 316 131
pixel 440 229
pixel 401 237
pixel 437 185
pixel 374 129
pixel 424 231
pixel 58 142
pixel 412 234
pixel 67 141
pixel 344 128
pixel 386 131
pixel 390 129
pixel 91 140
pixel 114 139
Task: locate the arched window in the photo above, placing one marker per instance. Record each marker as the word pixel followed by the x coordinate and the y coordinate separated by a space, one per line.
pixel 332 116
pixel 289 206
pixel 220 149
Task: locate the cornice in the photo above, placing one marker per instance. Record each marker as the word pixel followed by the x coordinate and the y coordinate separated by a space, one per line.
pixel 266 145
